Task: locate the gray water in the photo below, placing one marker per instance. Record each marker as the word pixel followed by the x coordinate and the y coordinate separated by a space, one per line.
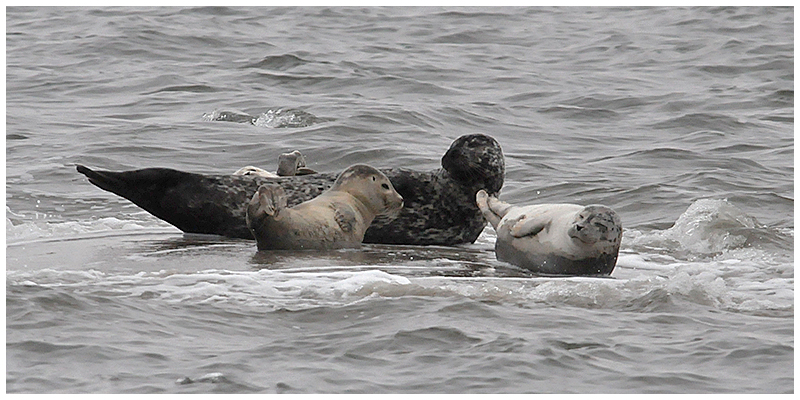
pixel 681 119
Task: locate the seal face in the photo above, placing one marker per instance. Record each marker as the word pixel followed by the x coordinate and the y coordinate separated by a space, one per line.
pixel 476 159
pixel 337 218
pixel 557 239
pixel 439 205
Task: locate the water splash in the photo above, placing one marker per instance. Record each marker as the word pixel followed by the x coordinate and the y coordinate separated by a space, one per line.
pixel 272 118
pixel 708 227
pixel 228 116
pixel 285 118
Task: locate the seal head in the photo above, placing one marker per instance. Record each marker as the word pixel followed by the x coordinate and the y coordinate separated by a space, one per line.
pixel 476 159
pixel 596 224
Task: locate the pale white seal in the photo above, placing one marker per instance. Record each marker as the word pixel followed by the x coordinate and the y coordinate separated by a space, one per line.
pixel 336 218
pixel 557 239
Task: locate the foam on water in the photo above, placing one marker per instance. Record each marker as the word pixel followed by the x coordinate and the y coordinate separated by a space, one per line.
pixel 713 285
pixel 17 232
pixel 703 258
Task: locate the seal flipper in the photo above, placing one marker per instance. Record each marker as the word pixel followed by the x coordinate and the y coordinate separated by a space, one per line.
pixel 346 219
pixel 269 200
pixel 193 203
pixel 527 227
pixel 135 185
pixel 493 209
pixel 103 179
pixel 293 164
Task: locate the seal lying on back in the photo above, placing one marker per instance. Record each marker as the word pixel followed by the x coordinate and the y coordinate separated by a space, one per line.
pixel 439 206
pixel 337 218
pixel 554 239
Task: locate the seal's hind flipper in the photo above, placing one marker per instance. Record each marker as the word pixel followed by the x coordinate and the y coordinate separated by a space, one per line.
pixel 194 203
pixel 498 207
pixel 133 185
pixel 305 171
pixel 493 209
pixel 102 179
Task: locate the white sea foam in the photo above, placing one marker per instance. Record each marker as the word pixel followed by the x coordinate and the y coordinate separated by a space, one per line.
pixel 707 227
pixel 43 229
pixel 710 285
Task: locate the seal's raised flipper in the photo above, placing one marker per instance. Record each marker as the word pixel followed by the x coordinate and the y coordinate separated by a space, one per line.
pixel 269 200
pixel 346 219
pixel 492 208
pixel 293 164
pixel 101 179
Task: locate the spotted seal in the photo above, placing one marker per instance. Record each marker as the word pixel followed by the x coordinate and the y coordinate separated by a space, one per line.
pixel 557 239
pixel 439 205
pixel 337 218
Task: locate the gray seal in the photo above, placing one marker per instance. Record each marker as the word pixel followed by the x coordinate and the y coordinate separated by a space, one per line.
pixel 439 205
pixel 337 218
pixel 554 239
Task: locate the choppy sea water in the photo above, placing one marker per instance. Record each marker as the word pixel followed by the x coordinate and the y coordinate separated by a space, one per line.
pixel 681 119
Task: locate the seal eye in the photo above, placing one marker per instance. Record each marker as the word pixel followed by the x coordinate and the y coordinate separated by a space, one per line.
pixel 385 186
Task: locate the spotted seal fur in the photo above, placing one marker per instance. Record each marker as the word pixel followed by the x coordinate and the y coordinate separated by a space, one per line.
pixel 554 239
pixel 439 205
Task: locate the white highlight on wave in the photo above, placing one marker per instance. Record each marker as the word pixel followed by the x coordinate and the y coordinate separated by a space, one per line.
pixel 268 290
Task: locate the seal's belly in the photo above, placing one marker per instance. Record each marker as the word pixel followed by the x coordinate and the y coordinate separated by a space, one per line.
pixel 554 263
pixel 550 253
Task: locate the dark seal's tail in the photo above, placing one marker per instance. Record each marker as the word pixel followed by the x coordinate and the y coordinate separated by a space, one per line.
pixel 103 179
pixel 139 186
pixel 193 203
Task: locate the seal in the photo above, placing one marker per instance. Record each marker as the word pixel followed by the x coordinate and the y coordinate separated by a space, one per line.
pixel 337 218
pixel 289 164
pixel 255 171
pixel 439 205
pixel 554 239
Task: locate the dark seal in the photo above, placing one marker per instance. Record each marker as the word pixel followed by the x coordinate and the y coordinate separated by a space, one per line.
pixel 439 205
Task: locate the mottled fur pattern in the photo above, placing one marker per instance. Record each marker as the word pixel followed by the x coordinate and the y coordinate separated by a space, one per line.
pixel 439 206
